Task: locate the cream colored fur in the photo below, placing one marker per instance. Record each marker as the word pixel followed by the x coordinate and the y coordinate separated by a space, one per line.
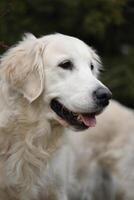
pixel 28 141
pixel 26 146
pixel 32 144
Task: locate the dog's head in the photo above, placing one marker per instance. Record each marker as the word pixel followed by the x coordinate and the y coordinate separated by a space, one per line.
pixel 64 70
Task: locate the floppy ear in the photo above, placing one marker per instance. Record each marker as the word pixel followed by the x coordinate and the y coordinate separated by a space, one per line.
pixel 22 66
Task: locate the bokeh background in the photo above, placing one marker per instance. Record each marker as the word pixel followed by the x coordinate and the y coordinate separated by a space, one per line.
pixel 106 25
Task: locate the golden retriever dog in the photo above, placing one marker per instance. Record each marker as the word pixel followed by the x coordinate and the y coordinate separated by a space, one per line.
pixel 105 159
pixel 47 85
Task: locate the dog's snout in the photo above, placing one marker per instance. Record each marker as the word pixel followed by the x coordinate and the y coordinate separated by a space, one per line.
pixel 102 96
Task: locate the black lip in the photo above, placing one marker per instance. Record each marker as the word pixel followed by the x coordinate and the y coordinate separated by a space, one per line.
pixel 67 115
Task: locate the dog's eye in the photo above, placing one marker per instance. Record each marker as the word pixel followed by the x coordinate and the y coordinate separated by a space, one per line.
pixel 91 66
pixel 66 65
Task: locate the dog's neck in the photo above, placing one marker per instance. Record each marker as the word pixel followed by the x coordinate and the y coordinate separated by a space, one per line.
pixel 26 125
pixel 28 140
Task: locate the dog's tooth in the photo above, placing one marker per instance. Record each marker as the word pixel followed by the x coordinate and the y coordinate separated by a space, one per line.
pixel 79 118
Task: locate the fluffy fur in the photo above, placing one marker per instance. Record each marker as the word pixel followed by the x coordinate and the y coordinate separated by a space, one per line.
pixel 32 159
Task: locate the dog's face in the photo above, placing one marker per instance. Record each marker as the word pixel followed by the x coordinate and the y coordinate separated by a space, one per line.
pixel 64 69
pixel 72 88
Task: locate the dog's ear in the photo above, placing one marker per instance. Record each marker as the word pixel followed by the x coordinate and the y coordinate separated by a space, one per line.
pixel 23 67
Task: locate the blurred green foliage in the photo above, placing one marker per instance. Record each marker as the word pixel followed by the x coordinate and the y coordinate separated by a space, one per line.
pixel 108 25
pixel 119 76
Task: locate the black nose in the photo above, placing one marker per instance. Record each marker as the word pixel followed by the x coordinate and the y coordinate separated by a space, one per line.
pixel 102 96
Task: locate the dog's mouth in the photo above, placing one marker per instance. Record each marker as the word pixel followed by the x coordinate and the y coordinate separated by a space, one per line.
pixel 79 121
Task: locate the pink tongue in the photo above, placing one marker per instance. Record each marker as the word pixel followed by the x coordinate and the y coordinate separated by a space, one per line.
pixel 89 121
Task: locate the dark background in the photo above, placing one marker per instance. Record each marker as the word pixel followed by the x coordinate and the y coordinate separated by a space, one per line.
pixel 107 25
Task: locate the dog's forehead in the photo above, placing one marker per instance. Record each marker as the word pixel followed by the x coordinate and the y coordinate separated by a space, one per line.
pixel 69 46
